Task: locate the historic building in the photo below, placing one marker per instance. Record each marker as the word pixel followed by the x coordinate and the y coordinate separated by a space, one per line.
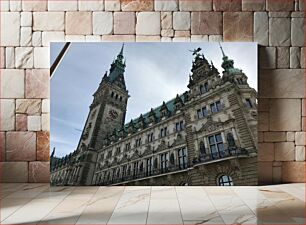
pixel 205 136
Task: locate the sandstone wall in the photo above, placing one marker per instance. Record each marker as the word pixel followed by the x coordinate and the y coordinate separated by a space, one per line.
pixel 27 27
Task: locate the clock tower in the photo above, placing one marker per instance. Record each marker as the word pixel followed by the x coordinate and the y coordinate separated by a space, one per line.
pixel 108 109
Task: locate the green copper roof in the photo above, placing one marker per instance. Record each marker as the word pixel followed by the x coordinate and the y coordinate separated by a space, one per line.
pixel 169 104
pixel 117 67
pixel 228 64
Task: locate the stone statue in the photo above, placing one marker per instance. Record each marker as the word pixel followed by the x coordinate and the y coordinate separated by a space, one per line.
pixel 196 52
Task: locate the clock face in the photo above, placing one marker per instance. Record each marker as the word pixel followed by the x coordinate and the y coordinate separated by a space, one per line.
pixel 113 114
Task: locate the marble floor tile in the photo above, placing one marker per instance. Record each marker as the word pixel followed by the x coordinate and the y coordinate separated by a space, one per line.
pixel 8 206
pixel 298 191
pixel 100 208
pixel 31 212
pixel 164 206
pixel 29 191
pixel 42 204
pixel 209 220
pixel 9 188
pixel 195 205
pixel 132 208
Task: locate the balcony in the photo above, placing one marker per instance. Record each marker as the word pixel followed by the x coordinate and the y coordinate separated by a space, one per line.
pixel 220 155
pixel 175 168
pixel 146 174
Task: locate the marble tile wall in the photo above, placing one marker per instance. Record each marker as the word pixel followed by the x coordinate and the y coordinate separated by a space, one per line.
pixel 28 26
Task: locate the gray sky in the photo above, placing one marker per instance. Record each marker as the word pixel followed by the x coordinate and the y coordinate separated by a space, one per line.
pixel 155 72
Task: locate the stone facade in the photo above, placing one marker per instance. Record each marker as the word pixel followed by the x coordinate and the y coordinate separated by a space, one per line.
pixel 286 88
pixel 202 135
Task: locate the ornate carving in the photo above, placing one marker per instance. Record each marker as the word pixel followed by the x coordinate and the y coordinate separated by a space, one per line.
pixel 212 125
pixel 162 146
pixel 178 141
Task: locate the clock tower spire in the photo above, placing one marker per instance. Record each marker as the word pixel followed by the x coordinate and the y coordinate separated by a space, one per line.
pixel 108 109
pixel 106 114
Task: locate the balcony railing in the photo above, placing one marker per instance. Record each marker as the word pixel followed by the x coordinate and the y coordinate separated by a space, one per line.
pixel 145 174
pixel 228 153
pixel 234 151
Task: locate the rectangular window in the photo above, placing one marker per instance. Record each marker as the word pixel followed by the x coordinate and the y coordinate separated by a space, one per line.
pixel 248 103
pixel 150 137
pixel 114 174
pixel 164 162
pixel 182 158
pixel 128 146
pixel 179 126
pixel 182 125
pixel 163 132
pixel 204 112
pixel 218 106
pixel 199 113
pixel 216 146
pixel 135 169
pixel 124 170
pixel 240 81
pixel 118 150
pixel 204 88
pixel 138 142
pixel 149 166
pixel 109 154
pixel 215 107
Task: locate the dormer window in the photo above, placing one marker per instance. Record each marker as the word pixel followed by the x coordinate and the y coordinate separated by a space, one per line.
pixel 152 116
pixel 164 111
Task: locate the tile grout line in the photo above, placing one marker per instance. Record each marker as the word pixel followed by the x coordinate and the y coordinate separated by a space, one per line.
pixel 255 213
pixel 55 206
pixel 178 201
pixel 86 205
pixel 214 205
pixel 29 200
pixel 27 203
pixel 116 205
pixel 149 205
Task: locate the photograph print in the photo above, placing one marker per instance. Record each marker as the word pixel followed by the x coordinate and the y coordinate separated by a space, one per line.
pixel 154 114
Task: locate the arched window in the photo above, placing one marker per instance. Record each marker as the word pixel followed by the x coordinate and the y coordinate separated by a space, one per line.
pixel 202 148
pixel 225 180
pixel 112 95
